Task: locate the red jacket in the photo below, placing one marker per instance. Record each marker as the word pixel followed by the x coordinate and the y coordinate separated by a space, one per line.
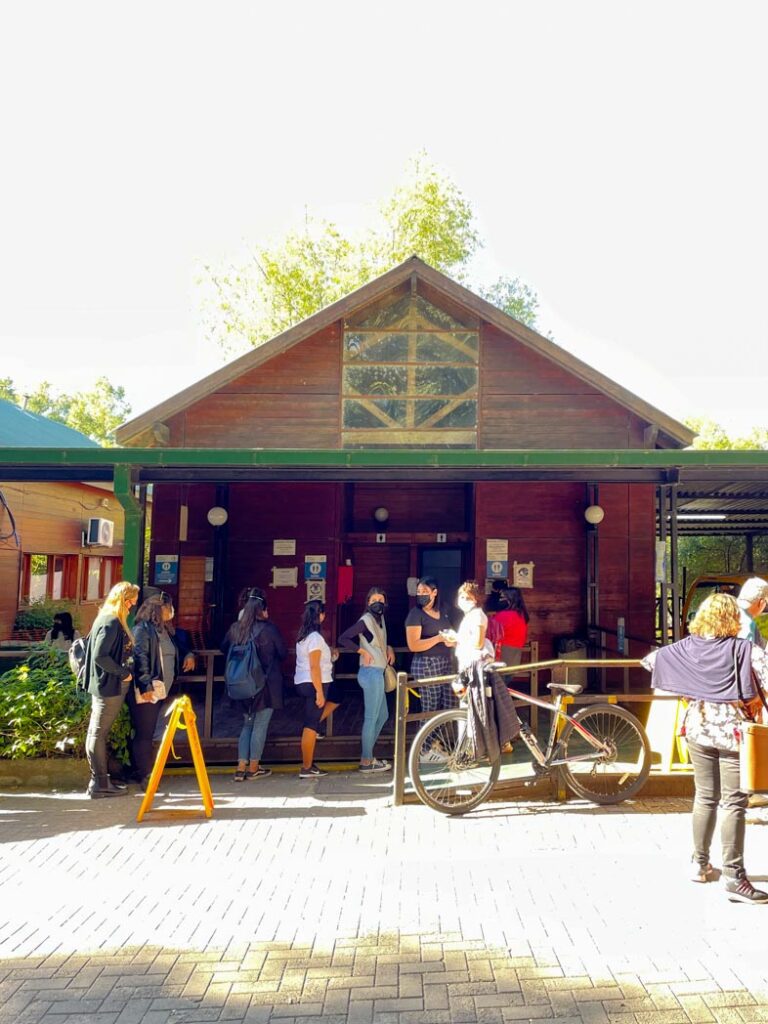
pixel 515 628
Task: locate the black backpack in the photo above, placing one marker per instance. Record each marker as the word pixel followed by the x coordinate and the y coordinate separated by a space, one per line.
pixel 77 655
pixel 244 675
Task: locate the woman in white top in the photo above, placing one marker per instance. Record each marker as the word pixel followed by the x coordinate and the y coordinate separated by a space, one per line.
pixel 471 644
pixel 314 669
pixel 63 632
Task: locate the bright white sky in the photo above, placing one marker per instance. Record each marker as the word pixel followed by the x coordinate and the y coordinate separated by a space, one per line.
pixel 615 155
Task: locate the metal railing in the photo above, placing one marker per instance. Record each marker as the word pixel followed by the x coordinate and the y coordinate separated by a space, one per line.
pixel 561 665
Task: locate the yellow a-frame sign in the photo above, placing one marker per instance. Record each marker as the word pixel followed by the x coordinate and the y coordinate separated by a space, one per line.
pixel 181 708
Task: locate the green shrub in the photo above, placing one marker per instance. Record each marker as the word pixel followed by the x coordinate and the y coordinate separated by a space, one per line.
pixel 43 714
pixel 39 614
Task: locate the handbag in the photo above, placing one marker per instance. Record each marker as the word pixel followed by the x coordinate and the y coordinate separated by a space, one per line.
pixel 753 758
pixel 390 679
pixel 380 641
pixel 158 693
pixel 753 748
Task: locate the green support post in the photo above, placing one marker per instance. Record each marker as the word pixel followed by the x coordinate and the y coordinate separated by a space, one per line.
pixel 125 480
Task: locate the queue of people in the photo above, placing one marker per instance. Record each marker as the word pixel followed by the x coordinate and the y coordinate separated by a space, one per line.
pixel 431 637
pixel 141 664
pixel 720 670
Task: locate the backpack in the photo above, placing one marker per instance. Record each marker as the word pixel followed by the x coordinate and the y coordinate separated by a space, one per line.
pixel 76 656
pixel 243 672
pixel 494 631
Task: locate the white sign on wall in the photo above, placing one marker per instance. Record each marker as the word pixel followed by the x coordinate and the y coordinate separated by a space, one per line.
pixel 285 577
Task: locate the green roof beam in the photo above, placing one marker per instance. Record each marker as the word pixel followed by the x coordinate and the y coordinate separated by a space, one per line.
pixel 381 458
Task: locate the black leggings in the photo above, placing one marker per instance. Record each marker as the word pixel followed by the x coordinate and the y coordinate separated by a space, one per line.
pixel 144 721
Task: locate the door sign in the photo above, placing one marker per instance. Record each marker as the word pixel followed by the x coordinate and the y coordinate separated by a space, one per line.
pixel 315 567
pixel 167 569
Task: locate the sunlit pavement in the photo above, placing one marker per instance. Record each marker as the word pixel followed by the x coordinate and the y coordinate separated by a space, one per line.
pixel 316 900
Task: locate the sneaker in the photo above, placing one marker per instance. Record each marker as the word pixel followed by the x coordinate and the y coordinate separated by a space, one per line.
pixel 313 772
pixel 375 766
pixel 93 792
pixel 741 890
pixel 705 873
pixel 260 773
pixel 433 756
pixel 239 775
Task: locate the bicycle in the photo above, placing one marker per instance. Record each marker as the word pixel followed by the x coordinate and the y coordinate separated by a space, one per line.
pixel 601 754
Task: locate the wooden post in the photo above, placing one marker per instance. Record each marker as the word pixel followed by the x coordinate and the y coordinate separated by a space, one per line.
pixel 401 715
pixel 210 658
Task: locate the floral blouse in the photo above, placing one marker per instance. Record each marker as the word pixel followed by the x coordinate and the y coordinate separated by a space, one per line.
pixel 718 725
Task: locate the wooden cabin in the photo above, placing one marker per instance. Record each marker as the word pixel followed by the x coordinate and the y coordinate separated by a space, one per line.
pixel 46 557
pixel 411 362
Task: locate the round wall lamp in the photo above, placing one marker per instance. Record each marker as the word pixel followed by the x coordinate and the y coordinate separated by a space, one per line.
pixel 594 514
pixel 217 515
pixel 381 514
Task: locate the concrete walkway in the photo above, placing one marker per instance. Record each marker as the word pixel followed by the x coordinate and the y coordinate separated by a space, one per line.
pixel 318 901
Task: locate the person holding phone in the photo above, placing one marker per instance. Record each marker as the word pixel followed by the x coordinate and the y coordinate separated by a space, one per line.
pixel 429 635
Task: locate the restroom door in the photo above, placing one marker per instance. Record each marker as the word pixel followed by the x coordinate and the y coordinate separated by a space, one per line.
pixel 385 566
pixel 448 566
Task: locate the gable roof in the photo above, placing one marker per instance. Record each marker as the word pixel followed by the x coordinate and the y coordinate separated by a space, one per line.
pixel 20 428
pixel 670 430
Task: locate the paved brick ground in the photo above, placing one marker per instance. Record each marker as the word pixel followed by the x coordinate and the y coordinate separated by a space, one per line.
pixel 317 901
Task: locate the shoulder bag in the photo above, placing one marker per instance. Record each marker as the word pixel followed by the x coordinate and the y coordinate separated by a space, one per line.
pixel 753 748
pixel 380 637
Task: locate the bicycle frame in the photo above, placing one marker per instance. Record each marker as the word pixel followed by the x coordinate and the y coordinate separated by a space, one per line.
pixel 559 718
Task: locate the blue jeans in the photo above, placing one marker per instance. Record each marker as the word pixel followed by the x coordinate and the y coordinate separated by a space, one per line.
pixel 371 681
pixel 253 735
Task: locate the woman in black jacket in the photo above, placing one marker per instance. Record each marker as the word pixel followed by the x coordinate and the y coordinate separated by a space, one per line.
pixel 108 674
pixel 157 655
pixel 254 624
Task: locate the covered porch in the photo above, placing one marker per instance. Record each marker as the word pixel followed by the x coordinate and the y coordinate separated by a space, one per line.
pixel 604 584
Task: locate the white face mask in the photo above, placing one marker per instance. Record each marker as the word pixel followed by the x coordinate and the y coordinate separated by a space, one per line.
pixel 465 605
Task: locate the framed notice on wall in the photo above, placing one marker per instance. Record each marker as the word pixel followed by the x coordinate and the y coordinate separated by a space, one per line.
pixel 522 574
pixel 288 577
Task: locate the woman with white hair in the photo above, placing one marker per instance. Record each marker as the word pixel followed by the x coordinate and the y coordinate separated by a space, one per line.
pixel 752 601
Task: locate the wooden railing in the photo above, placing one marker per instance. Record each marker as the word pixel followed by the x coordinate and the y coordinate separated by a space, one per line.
pixel 209 676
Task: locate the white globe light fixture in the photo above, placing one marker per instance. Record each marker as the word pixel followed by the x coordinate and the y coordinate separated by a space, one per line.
pixel 594 514
pixel 381 514
pixel 217 515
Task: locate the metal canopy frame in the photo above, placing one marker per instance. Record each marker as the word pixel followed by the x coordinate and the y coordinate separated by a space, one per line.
pixel 696 482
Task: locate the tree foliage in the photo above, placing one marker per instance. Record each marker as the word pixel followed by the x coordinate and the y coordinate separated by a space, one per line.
pixel 247 302
pixel 711 435
pixel 95 413
pixel 726 554
pixel 515 298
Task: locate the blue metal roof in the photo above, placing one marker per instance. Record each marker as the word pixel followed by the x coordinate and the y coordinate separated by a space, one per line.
pixel 23 429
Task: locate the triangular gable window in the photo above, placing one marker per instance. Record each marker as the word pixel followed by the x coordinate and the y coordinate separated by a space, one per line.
pixel 410 377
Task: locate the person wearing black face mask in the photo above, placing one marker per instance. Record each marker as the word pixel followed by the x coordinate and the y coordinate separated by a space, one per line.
pixel 429 634
pixel 368 638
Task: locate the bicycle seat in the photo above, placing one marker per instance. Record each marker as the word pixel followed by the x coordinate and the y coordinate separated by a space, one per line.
pixel 570 688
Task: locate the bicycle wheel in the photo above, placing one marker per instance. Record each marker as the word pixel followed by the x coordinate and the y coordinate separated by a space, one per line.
pixel 444 772
pixel 611 777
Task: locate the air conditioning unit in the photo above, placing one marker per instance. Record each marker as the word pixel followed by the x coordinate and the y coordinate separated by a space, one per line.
pixel 101 533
